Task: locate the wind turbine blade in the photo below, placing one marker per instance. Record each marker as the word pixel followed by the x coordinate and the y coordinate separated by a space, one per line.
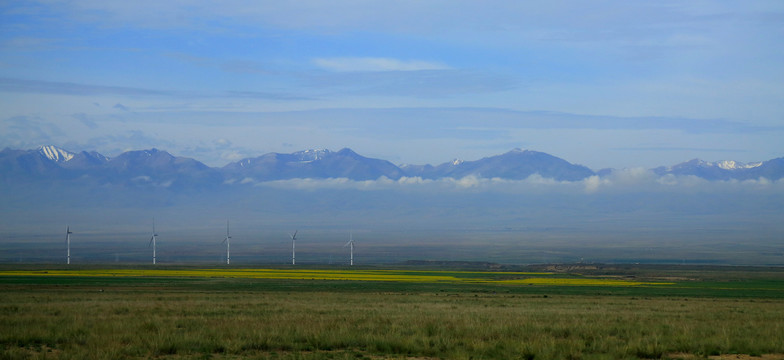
pixel 350 239
pixel 151 239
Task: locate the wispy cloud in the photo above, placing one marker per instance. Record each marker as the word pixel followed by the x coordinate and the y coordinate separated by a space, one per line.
pixel 120 142
pixel 86 120
pixel 70 88
pixel 679 149
pixel 228 65
pixel 266 95
pixel 411 84
pixel 27 132
pixel 13 85
pixel 372 64
pixel 28 43
pixel 451 121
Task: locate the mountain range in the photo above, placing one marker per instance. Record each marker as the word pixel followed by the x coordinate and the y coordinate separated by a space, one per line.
pixel 158 168
pixel 110 202
pixel 727 170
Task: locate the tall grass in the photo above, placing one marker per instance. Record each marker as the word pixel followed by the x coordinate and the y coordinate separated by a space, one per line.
pixel 63 323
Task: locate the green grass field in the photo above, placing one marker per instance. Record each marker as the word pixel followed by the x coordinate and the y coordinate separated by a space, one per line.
pixel 401 313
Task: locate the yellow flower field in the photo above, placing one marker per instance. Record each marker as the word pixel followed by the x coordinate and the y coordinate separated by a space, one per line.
pixel 505 278
pixel 578 282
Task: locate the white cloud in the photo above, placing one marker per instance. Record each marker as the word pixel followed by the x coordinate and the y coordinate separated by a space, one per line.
pixel 592 184
pixel 534 183
pixel 621 181
pixel 232 156
pixel 373 64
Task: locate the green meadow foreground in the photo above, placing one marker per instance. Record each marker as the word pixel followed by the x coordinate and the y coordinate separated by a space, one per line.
pixel 232 313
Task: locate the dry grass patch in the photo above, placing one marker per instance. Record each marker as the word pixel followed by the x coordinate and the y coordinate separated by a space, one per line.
pixel 684 356
pixel 137 323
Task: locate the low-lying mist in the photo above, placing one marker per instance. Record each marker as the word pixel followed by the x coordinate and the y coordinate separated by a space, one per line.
pixel 627 216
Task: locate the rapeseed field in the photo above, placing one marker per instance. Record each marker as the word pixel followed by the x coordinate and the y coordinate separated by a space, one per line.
pixel 408 276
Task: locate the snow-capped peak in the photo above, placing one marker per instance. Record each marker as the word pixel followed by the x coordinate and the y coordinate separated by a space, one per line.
pixel 312 154
pixel 724 164
pixel 56 154
pixel 733 165
pixel 456 162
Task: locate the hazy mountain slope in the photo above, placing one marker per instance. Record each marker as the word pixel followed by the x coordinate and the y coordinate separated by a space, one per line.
pixel 28 165
pixel 516 164
pixel 726 170
pixel 312 164
pixel 159 168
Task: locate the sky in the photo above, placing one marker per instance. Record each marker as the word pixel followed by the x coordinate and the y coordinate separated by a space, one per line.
pixel 602 83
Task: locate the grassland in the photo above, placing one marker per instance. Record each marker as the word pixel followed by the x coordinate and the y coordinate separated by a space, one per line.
pixel 94 313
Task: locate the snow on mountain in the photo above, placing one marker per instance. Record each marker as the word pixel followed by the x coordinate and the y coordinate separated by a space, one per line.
pixel 724 164
pixel 726 170
pixel 56 154
pixel 732 165
pixel 28 165
pixel 312 154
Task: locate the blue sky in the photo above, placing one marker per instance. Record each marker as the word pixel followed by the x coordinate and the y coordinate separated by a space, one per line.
pixel 600 83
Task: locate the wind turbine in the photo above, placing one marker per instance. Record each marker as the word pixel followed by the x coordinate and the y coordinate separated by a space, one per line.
pixel 227 240
pixel 351 244
pixel 293 247
pixel 152 241
pixel 68 244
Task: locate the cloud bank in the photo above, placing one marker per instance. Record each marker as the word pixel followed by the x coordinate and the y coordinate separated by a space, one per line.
pixel 635 180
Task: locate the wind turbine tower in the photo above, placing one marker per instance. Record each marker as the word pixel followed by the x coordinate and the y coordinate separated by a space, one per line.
pixel 68 244
pixel 152 241
pixel 294 248
pixel 350 244
pixel 227 240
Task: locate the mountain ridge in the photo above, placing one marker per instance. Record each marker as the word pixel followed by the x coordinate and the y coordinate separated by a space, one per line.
pixel 726 170
pixel 161 168
pixel 313 164
pixel 516 164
